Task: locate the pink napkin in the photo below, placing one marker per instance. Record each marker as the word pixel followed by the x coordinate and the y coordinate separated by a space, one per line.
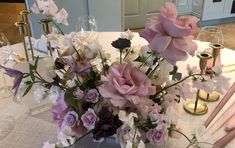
pixel 225 99
pixel 230 125
pixel 224 140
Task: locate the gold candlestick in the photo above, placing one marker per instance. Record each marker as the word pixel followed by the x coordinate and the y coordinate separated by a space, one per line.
pixel 25 17
pixel 196 107
pixel 47 28
pixel 22 30
pixel 214 96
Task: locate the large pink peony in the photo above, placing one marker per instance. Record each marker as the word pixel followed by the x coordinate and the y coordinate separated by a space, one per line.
pixel 169 36
pixel 126 85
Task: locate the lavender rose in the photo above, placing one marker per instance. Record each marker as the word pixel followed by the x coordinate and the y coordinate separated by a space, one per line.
pixel 71 118
pixel 156 135
pixel 92 95
pixel 89 119
pixel 126 85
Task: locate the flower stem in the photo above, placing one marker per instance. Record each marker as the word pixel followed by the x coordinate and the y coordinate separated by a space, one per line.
pixel 58 27
pixel 182 134
pixel 120 57
pixel 192 75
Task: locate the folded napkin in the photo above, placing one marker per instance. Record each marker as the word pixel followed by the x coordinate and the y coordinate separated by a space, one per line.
pixel 230 124
pixel 225 99
pixel 225 140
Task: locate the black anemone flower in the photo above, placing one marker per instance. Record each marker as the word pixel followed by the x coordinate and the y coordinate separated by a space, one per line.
pixel 121 43
pixel 107 124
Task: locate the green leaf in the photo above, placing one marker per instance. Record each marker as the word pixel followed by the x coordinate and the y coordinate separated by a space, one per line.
pixel 28 82
pixel 140 59
pixel 31 68
pixel 69 98
pixel 28 89
pixel 36 62
pixel 175 68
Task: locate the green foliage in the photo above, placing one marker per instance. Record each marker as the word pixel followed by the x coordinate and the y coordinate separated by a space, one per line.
pixel 70 99
pixel 146 125
pixel 174 71
pixel 93 79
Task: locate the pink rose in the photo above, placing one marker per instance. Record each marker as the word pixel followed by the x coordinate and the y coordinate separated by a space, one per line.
pixel 89 119
pixel 126 85
pixel 169 36
pixel 156 135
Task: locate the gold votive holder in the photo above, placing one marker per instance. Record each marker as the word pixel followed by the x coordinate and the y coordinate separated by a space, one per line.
pixel 195 107
pixel 47 28
pixel 213 96
pixel 22 30
pixel 25 17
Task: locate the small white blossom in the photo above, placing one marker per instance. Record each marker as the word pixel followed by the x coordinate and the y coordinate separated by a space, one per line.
pixel 39 94
pixel 61 17
pixel 65 140
pixel 54 93
pixel 127 35
pixel 35 9
pixel 48 145
pixel 127 119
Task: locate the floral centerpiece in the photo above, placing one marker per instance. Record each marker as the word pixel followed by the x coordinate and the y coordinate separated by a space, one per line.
pixel 130 97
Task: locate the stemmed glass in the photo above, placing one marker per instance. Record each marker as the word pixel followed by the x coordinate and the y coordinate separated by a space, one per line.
pixel 212 40
pixel 7 121
pixel 86 30
pixel 6 56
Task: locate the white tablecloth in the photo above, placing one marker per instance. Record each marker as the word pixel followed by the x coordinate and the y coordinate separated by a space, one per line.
pixel 33 131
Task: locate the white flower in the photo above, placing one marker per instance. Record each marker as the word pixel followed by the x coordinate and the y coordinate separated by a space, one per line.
pixel 90 51
pixel 192 69
pixel 49 7
pixel 140 145
pixel 54 93
pixel 127 35
pixel 65 140
pixel 39 94
pixel 217 69
pixel 127 119
pixel 161 75
pixel 207 85
pixel 35 9
pixel 221 84
pixel 46 68
pixel 48 145
pixel 61 17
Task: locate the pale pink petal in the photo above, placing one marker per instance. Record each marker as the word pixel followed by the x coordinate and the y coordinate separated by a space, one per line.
pixel 230 125
pixel 159 43
pixel 176 30
pixel 172 55
pixel 185 45
pixel 116 100
pixel 188 20
pixel 169 10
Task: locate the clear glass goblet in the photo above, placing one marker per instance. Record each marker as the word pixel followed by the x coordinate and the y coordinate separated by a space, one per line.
pixel 86 30
pixel 7 121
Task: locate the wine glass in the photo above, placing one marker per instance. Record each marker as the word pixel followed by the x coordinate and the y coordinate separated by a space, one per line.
pixel 211 40
pixel 6 55
pixel 86 29
pixel 7 121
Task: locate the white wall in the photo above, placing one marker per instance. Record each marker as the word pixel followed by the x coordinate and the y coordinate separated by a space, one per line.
pixel 108 13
